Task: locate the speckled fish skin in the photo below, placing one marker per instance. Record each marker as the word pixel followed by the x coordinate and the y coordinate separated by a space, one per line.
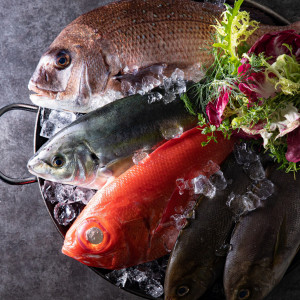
pixel 99 146
pixel 264 242
pixel 193 265
pixel 92 60
pixel 129 209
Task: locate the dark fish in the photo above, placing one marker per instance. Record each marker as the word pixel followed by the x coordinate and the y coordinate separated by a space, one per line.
pixel 113 50
pixel 264 242
pixel 199 254
pixel 99 146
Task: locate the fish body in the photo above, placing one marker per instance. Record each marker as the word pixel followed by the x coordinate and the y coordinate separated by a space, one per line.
pixel 199 254
pixel 126 213
pixel 122 47
pixel 99 146
pixel 264 242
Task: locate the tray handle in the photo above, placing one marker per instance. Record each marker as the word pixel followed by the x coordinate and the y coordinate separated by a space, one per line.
pixel 3 110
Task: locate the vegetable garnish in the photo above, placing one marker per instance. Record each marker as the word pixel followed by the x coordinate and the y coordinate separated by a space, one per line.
pixel 254 93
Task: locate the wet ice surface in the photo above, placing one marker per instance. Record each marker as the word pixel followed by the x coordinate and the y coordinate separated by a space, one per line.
pixel 172 132
pixel 148 277
pixel 139 156
pixel 53 121
pixel 259 189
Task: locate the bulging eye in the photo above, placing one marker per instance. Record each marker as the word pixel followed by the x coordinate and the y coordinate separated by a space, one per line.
pixel 182 290
pixel 243 294
pixel 63 60
pixel 57 161
pixel 94 235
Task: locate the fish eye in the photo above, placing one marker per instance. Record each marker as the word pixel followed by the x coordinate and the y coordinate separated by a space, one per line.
pixel 63 60
pixel 243 294
pixel 94 235
pixel 182 290
pixel 57 161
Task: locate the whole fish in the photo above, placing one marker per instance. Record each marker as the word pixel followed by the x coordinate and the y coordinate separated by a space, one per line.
pixel 117 228
pixel 264 242
pixel 199 254
pixel 99 146
pixel 115 49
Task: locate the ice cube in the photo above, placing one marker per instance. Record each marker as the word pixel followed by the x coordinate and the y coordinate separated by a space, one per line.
pixel 263 189
pixel 64 213
pixel 171 132
pixel 210 168
pixel 177 75
pixel 202 185
pixel 64 193
pixel 255 170
pixel 48 191
pixel 138 156
pixel 154 97
pixel 250 202
pixel 118 277
pixel 243 154
pixel 48 129
pixel 82 195
pixel 62 118
pixel 218 180
pixel 152 287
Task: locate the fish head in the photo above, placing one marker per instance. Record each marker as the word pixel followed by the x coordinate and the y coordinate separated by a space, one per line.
pixel 71 72
pixel 186 279
pixel 62 161
pixel 108 234
pixel 92 239
pixel 254 283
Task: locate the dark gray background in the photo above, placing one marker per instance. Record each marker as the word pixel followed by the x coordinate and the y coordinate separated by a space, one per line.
pixel 31 264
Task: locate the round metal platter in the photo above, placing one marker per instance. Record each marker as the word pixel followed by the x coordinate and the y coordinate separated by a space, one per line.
pixel 258 12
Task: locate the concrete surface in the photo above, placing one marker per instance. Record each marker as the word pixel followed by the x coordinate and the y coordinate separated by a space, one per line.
pixel 31 264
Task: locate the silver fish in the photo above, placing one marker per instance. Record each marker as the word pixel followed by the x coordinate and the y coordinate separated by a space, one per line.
pixel 99 146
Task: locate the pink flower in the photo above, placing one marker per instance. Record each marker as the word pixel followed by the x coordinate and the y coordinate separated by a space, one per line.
pixel 215 110
pixel 272 44
pixel 293 151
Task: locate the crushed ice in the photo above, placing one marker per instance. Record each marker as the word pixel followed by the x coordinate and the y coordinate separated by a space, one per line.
pixel 69 200
pixel 148 277
pixel 173 85
pixel 54 121
pixel 260 187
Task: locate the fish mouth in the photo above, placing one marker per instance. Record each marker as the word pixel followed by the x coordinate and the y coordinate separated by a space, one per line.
pixel 40 94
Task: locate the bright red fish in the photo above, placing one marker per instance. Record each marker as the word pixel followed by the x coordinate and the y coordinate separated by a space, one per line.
pixel 117 229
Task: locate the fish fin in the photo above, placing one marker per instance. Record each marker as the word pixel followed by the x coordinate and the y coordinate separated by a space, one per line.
pixel 119 166
pixel 280 241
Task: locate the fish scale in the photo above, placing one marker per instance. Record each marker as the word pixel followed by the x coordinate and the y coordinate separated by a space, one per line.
pixel 151 21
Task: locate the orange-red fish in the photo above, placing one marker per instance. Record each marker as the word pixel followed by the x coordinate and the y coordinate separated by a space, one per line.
pixel 118 227
pixel 115 49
